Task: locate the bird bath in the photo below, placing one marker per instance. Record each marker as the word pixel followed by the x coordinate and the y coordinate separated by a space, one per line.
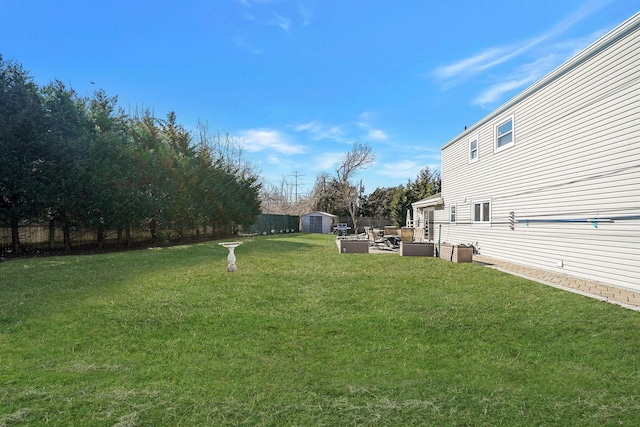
pixel 231 259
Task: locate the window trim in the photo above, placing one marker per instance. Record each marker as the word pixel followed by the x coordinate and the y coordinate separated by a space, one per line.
pixel 453 214
pixel 482 221
pixel 470 151
pixel 501 122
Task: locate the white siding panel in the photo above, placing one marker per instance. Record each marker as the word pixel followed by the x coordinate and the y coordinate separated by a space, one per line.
pixel 576 156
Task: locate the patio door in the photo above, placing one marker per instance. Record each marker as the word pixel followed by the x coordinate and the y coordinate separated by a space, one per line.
pixel 429 232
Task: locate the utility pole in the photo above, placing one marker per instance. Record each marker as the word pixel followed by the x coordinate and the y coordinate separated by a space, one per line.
pixel 360 193
pixel 296 174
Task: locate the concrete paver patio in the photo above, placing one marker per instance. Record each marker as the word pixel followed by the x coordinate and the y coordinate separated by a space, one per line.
pixel 623 297
pixel 602 291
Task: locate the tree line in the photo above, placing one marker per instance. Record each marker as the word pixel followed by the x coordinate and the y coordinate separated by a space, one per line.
pixel 82 162
pixel 389 202
pixel 342 195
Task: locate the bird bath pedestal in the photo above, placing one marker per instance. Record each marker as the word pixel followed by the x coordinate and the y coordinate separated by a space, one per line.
pixel 231 259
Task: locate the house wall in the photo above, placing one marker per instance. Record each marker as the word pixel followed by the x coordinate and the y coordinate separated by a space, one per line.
pixel 576 157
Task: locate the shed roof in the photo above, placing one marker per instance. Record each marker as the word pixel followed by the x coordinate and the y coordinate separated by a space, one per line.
pixel 321 213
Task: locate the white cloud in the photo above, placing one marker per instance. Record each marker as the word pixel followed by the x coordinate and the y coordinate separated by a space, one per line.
pixel 261 12
pixel 281 21
pixel 461 70
pixel 347 133
pixel 254 140
pixel 326 161
pixel 377 135
pixel 529 73
pixel 401 169
pixel 273 159
pixel 405 169
pixel 364 122
pixel 495 92
pixel 468 67
pixel 320 131
pixel 307 126
pixel 585 10
pixel 366 117
pixel 522 77
pixel 570 47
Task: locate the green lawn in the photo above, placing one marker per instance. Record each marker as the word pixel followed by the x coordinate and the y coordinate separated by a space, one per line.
pixel 302 335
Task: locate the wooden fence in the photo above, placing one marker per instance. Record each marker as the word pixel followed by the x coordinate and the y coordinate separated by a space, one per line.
pixel 36 238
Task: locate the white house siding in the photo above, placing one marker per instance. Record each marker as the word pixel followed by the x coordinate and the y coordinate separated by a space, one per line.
pixel 576 157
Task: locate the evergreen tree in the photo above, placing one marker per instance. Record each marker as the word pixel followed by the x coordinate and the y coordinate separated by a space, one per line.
pixel 81 163
pixel 68 133
pixel 426 184
pixel 376 204
pixel 24 156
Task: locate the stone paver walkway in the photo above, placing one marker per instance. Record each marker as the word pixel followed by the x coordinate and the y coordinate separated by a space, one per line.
pixel 623 297
pixel 615 295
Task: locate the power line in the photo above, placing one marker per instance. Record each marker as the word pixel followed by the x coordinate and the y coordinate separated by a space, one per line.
pixel 296 174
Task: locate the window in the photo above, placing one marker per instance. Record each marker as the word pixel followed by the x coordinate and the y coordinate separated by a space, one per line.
pixel 504 135
pixel 482 212
pixel 473 149
pixel 452 214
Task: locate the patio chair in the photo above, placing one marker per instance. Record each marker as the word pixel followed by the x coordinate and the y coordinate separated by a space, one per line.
pixel 375 239
pixel 392 242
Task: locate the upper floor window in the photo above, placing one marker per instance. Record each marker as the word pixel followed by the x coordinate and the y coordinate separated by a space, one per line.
pixel 504 134
pixel 473 149
pixel 482 212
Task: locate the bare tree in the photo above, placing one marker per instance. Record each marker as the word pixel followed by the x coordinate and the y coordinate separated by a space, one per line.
pixel 332 194
pixel 274 199
pixel 359 157
pixel 325 195
pixel 226 152
pixel 279 199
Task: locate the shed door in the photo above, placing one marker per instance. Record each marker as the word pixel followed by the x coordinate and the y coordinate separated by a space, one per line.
pixel 315 224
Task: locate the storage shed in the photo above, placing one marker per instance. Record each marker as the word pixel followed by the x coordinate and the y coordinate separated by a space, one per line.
pixel 319 222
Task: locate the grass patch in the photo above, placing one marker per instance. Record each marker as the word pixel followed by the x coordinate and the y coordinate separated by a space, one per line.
pixel 302 335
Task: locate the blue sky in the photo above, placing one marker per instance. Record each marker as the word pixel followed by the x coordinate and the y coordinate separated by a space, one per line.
pixel 297 82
